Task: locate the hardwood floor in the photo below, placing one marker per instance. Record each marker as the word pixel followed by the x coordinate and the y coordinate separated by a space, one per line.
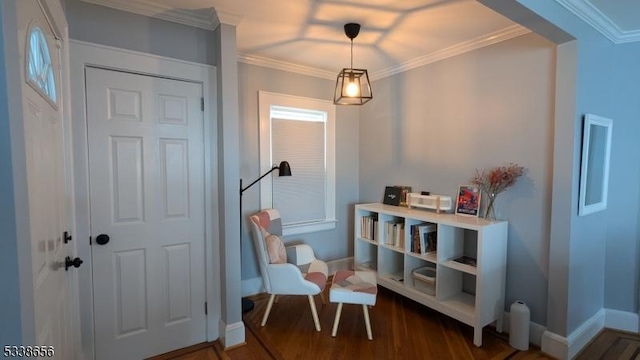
pixel 402 329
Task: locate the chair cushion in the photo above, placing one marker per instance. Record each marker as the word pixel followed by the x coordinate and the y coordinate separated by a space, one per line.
pixel 316 272
pixel 275 249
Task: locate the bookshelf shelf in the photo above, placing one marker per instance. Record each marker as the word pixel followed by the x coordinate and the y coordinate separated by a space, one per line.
pixel 473 295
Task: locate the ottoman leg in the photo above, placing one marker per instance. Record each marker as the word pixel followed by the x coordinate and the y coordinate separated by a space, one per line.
pixel 365 310
pixel 336 321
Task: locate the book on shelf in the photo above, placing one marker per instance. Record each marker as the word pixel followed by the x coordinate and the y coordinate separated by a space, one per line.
pixel 415 239
pixel 467 260
pixel 394 232
pixel 369 227
pixel 428 238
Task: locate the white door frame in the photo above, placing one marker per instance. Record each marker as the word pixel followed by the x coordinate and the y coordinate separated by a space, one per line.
pixel 85 54
pixel 57 20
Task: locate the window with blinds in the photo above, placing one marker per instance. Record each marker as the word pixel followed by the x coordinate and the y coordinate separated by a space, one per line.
pixel 300 131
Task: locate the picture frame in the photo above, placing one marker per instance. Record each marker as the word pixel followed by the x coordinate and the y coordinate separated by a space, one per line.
pixel 594 168
pixel 392 195
pixel 404 194
pixel 468 200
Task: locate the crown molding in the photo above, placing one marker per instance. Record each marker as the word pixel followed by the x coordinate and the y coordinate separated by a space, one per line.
pixel 286 66
pixel 461 48
pixel 590 14
pixel 477 43
pixel 151 9
pixel 226 17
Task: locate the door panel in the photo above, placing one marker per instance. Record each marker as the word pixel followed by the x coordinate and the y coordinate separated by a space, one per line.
pixel 146 167
pixel 45 182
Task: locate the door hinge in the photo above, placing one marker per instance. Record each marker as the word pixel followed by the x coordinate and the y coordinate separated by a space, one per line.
pixel 205 308
pixel 90 242
pixel 202 103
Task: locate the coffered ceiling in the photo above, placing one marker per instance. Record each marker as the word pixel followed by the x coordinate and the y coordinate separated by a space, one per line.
pixel 307 35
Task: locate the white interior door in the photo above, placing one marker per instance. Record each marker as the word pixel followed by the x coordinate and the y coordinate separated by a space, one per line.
pixel 44 147
pixel 146 168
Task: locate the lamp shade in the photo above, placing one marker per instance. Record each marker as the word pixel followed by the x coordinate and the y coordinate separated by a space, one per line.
pixel 352 87
pixel 284 169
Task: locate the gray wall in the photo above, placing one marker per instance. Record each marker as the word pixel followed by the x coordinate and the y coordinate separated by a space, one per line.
pixel 431 127
pixel 328 245
pixel 623 235
pixel 590 254
pixel 107 26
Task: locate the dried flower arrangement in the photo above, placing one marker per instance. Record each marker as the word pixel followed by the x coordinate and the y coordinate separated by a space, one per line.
pixel 495 181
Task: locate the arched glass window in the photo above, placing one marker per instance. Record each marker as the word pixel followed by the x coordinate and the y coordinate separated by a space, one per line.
pixel 39 69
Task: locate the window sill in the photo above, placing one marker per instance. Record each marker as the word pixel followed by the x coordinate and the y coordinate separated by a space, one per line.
pixel 297 229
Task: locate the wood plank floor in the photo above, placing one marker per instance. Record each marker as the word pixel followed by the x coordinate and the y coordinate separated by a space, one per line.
pixel 402 329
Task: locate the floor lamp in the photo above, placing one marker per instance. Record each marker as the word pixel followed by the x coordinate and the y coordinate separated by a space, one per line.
pixel 283 170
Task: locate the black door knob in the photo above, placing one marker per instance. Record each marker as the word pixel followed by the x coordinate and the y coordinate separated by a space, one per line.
pixel 69 263
pixel 102 239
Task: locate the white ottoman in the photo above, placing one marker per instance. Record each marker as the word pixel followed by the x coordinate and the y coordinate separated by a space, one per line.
pixel 353 287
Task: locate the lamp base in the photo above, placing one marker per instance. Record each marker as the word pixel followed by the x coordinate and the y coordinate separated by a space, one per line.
pixel 247 305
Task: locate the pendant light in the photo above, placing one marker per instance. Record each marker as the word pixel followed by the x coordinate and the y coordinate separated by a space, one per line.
pixel 352 86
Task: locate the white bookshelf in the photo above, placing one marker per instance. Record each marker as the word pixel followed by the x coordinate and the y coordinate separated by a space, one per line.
pixel 473 295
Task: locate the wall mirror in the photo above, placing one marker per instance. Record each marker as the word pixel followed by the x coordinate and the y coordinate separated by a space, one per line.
pixel 594 168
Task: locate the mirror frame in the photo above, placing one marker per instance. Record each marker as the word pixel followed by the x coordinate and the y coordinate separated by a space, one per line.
pixel 589 151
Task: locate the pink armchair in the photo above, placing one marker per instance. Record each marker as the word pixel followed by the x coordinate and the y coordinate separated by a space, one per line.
pixel 291 270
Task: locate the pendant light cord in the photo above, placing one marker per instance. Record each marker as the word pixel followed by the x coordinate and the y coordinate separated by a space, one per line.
pixel 351 53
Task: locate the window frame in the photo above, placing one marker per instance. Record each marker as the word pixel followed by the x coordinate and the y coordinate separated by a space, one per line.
pixel 27 62
pixel 265 101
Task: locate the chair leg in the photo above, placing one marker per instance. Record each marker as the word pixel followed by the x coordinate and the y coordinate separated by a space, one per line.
pixel 268 310
pixel 336 321
pixel 312 303
pixel 366 321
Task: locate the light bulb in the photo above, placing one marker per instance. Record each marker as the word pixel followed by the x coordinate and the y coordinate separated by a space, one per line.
pixel 352 89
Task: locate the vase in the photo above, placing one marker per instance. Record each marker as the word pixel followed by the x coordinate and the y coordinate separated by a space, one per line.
pixel 490 212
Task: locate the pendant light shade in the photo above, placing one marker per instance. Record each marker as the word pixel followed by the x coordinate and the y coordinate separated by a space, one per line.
pixel 352 85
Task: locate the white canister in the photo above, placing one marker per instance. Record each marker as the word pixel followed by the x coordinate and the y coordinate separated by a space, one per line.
pixel 519 326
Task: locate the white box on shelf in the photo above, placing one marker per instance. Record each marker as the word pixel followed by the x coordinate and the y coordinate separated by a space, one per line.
pixel 424 279
pixel 434 202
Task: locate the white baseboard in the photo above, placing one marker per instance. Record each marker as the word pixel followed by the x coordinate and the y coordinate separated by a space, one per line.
pixel 231 335
pixel 254 286
pixel 622 320
pixel 568 347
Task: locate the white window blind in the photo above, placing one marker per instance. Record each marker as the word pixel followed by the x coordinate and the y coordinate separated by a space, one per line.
pixel 300 198
pixel 301 131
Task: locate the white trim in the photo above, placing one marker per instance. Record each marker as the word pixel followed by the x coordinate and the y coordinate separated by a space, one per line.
pixel 461 48
pixel 297 229
pixel 220 16
pixel 84 54
pixel 231 335
pixel 147 8
pixel 266 99
pixel 621 320
pixel 287 66
pixel 590 14
pixel 474 44
pixel 567 347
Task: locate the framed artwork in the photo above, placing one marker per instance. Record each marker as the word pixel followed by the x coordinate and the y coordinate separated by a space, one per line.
pixel 392 195
pixel 404 192
pixel 594 168
pixel 468 202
